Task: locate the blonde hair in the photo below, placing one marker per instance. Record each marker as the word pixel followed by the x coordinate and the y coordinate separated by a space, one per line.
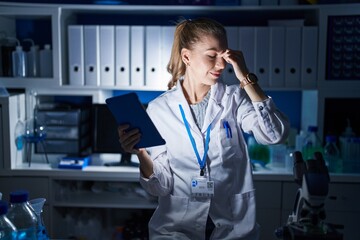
pixel 187 33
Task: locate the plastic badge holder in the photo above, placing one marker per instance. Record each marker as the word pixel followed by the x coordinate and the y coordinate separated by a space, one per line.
pixel 127 109
pixel 74 162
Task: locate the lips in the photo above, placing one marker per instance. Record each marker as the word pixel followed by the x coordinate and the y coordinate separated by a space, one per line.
pixel 216 74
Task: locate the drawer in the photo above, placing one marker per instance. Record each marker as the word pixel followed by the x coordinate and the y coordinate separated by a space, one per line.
pixel 64 146
pixel 62 117
pixel 67 132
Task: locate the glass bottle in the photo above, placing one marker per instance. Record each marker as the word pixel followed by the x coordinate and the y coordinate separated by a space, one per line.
pixel 7 228
pixel 22 215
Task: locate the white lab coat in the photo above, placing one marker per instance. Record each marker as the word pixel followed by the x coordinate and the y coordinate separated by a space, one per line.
pixel 232 208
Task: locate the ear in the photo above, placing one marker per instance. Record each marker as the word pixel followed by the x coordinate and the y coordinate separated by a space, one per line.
pixel 185 56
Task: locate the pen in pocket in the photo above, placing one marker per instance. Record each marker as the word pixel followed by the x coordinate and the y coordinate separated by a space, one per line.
pixel 227 127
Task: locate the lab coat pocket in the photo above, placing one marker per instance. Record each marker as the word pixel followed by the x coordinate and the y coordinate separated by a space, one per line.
pixel 244 212
pixel 169 215
pixel 228 138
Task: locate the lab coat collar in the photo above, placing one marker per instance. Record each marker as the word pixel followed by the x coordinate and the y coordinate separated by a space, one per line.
pixel 214 106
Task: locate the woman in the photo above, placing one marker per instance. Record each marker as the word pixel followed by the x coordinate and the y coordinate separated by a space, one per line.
pixel 204 171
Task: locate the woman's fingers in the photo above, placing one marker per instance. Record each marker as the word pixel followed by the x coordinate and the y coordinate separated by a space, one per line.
pixel 128 138
pixel 236 59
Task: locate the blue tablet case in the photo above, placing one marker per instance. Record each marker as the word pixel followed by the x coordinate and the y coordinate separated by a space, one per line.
pixel 127 109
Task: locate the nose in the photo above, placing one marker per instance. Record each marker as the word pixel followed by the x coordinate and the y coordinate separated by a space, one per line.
pixel 220 63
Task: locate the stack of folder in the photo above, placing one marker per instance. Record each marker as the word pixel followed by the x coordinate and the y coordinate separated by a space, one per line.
pixel 137 56
pixel 119 56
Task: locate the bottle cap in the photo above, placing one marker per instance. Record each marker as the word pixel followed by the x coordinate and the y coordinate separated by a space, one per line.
pixel 3 207
pixel 312 128
pixel 330 138
pixel 19 196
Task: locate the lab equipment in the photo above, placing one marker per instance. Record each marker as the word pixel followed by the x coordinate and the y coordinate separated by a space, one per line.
pixel 7 228
pixel 22 215
pixel 46 61
pixel 34 133
pixel 37 204
pixel 19 60
pixel 312 143
pixel 32 59
pixel 332 155
pixel 307 221
pixel 19 132
pixel 258 153
pixel 7 47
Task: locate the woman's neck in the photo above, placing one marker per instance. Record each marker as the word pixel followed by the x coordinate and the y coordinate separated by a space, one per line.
pixel 194 93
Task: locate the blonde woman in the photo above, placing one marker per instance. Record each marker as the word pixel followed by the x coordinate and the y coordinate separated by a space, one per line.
pixel 202 175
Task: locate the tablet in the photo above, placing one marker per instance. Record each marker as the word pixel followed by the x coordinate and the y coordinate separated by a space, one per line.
pixel 127 109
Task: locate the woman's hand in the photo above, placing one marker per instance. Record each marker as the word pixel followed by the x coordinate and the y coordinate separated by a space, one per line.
pixel 129 138
pixel 236 59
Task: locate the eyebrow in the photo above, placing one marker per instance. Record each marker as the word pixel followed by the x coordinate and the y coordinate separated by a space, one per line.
pixel 215 49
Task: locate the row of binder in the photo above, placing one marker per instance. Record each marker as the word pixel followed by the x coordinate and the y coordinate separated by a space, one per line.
pixel 281 56
pixel 119 56
pixel 137 56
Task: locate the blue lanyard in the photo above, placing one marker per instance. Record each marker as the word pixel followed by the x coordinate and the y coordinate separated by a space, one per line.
pixel 202 161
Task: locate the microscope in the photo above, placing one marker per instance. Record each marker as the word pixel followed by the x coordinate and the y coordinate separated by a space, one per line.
pixel 307 220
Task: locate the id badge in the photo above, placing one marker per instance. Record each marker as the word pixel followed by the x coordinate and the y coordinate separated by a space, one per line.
pixel 202 187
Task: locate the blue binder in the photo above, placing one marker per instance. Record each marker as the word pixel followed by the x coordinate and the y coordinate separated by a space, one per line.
pixel 127 109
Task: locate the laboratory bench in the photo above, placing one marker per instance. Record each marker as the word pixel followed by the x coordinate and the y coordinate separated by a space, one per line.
pixel 114 194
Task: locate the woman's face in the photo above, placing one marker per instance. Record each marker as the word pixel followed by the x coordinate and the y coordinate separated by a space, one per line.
pixel 205 60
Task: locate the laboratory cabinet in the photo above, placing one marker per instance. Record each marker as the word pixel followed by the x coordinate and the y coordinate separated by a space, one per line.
pixel 114 194
pixel 110 198
pixel 140 41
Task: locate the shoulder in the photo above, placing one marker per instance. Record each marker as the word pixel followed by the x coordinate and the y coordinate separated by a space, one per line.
pixel 162 99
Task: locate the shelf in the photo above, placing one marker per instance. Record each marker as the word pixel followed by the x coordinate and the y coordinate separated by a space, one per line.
pixel 104 200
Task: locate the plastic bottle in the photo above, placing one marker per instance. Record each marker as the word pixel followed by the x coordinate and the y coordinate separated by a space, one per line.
pixel 19 61
pixel 46 63
pixel 32 60
pixel 7 47
pixel 332 154
pixel 299 140
pixel 22 215
pixel 7 228
pixel 312 143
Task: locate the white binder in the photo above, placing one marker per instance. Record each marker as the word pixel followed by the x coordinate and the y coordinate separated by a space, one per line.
pixel 153 78
pixel 229 76
pixel 137 56
pixel 167 38
pixel 247 46
pixel 107 55
pixel 122 56
pixel 292 56
pixel 76 55
pixel 309 49
pixel 91 55
pixel 262 51
pixel 277 57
